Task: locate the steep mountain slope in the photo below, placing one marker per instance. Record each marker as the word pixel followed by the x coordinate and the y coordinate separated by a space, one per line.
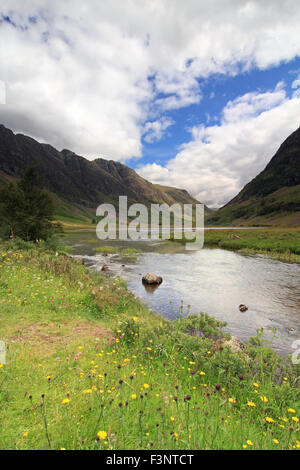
pixel 75 180
pixel 273 197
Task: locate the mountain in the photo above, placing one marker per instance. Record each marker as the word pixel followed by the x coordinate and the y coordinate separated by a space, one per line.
pixel 273 197
pixel 77 184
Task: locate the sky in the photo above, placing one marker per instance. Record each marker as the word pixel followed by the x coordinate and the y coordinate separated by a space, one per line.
pixel 193 94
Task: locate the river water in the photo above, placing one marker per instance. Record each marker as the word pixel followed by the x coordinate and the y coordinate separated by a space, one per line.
pixel 214 281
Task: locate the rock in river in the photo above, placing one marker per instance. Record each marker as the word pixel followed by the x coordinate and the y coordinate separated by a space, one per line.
pixel 243 308
pixel 151 278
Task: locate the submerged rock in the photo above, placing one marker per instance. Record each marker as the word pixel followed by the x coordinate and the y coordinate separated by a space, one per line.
pixel 104 267
pixel 151 278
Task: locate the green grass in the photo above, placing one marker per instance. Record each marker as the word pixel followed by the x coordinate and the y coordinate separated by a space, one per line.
pixel 84 356
pixel 283 244
pixel 126 252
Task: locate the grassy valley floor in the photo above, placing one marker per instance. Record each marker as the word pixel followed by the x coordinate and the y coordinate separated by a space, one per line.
pixel 89 367
pixel 282 244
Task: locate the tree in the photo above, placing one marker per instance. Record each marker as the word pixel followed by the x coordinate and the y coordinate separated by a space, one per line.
pixel 28 210
pixel 10 209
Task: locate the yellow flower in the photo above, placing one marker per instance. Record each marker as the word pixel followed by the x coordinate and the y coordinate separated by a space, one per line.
pixel 244 446
pixel 250 443
pixel 172 418
pixel 48 377
pixel 269 420
pixel 65 401
pixel 102 434
pixel 202 373
pixel 291 410
pixel 250 403
pixel 294 418
pixel 87 391
pixel 62 448
pixel 133 396
pixel 275 441
pixel 231 400
pixel 1 365
pixel 264 399
pixel 25 434
pixel 146 386
pixel 255 384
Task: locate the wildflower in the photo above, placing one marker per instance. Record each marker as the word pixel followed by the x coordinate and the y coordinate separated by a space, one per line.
pixel 202 373
pixel 87 391
pixel 146 386
pixel 65 401
pixel 275 441
pixel 1 365
pixel 264 399
pixel 172 418
pixel 48 377
pixel 294 418
pixel 25 434
pixel 269 420
pixel 250 443
pixel 102 434
pixel 133 396
pixel 250 403
pixel 291 410
pixel 255 384
pixel 244 446
pixel 231 400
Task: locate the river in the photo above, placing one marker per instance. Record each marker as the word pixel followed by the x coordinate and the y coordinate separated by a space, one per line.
pixel 214 281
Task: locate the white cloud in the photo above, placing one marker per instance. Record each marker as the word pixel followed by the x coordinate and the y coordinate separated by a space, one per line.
pixel 221 159
pixel 154 130
pixel 296 83
pixel 77 73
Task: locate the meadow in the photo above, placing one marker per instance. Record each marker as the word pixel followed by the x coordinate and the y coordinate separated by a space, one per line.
pixel 275 242
pixel 88 366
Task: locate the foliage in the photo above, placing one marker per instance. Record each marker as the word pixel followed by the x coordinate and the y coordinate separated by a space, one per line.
pixel 27 211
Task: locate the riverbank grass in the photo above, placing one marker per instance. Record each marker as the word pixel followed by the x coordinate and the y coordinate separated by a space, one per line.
pixel 282 244
pixel 89 367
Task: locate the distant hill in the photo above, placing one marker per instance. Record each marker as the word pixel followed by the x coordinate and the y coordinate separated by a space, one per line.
pixel 273 197
pixel 77 184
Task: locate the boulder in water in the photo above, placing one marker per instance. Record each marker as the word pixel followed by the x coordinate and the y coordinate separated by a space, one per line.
pixel 152 279
pixel 243 308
